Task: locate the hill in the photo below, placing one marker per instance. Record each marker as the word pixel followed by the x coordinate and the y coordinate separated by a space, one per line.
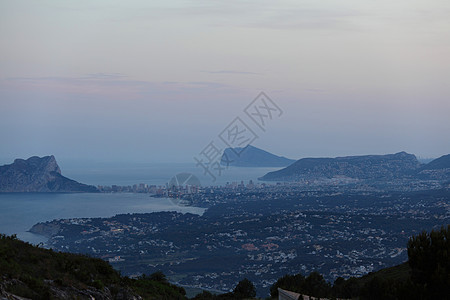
pixel 251 156
pixel 438 169
pixel 38 174
pixel 32 272
pixel 442 162
pixel 365 167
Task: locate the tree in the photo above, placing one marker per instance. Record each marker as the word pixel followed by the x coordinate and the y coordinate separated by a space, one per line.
pixel 204 295
pixel 315 285
pixel 158 276
pixel 379 288
pixel 346 288
pixel 429 259
pixel 244 289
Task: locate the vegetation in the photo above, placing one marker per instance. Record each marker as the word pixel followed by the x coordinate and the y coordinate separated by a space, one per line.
pixel 36 273
pixel 314 284
pixel 429 259
pixel 155 286
pixel 243 290
pixel 426 275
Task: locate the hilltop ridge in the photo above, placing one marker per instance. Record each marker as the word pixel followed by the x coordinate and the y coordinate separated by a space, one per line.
pixel 251 156
pixel 386 167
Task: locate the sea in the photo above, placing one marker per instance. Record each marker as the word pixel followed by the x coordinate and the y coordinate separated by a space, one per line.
pixel 20 211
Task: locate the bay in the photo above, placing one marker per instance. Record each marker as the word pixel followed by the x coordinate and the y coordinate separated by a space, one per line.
pixel 20 211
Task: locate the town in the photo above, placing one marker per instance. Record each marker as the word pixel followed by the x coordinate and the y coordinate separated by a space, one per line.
pixel 260 233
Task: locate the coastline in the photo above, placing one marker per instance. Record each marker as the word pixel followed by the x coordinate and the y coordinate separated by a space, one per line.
pixel 19 212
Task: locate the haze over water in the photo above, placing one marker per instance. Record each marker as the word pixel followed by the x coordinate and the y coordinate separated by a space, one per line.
pixel 155 173
pixel 20 211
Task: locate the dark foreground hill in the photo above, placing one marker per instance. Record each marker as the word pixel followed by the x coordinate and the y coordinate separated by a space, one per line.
pixel 253 157
pixel 38 174
pixel 30 272
pixel 35 273
pixel 366 167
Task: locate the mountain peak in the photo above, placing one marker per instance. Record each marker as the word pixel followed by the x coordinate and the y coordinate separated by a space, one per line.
pixel 38 174
pixel 251 156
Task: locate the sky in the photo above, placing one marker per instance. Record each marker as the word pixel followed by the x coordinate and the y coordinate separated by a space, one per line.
pixel 158 81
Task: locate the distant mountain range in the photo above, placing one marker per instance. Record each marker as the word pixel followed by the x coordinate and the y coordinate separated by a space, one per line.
pixel 438 169
pixel 367 167
pixel 251 156
pixel 38 174
pixel 440 163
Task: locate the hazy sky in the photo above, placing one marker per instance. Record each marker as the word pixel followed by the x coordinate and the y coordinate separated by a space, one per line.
pixel 158 80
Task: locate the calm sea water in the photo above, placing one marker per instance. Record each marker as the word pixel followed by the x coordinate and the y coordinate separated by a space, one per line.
pixel 20 211
pixel 156 174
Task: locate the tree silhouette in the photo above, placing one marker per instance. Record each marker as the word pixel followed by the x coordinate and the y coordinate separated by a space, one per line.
pixel 429 259
pixel 244 289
